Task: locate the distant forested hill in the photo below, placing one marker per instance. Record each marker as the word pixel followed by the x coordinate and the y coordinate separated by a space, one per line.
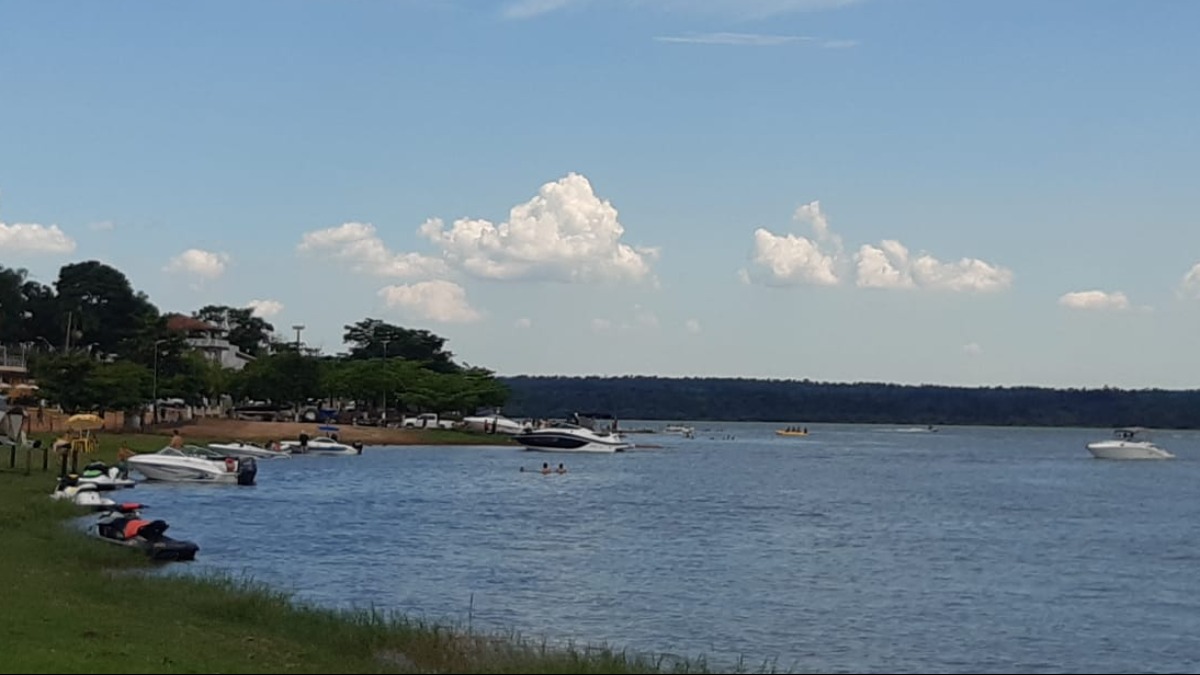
pixel 804 402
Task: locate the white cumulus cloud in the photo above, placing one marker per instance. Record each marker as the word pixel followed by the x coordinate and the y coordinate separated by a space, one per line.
pixel 438 300
pixel 265 308
pixel 523 322
pixel 785 260
pixel 781 260
pixel 692 325
pixel 359 245
pixel 890 266
pixel 34 238
pixel 601 325
pixel 1190 286
pixel 199 263
pixel 1097 300
pixel 565 233
pixel 972 348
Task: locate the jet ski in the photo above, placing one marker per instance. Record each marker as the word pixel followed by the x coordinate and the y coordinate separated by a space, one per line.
pixel 106 477
pixel 124 525
pixel 82 494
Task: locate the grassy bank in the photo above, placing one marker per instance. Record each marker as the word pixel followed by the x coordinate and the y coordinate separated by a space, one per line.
pixel 72 604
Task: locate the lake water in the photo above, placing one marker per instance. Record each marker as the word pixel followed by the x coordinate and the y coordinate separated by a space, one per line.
pixel 855 549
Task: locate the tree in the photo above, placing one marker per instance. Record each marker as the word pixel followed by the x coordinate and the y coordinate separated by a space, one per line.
pixel 12 305
pixel 251 334
pixel 287 377
pixel 78 382
pixel 372 338
pixel 101 306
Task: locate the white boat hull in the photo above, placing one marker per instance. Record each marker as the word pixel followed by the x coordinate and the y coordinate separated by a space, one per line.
pixel 320 447
pixel 247 450
pixel 571 441
pixel 1127 450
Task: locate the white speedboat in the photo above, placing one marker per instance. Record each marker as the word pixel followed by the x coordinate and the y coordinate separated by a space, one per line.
pixel 194 464
pixel 322 445
pixel 1128 443
pixel 493 424
pixel 245 449
pixel 679 429
pixel 580 436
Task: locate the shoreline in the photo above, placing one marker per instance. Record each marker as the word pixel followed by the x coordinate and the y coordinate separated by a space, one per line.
pixel 222 430
pixel 73 607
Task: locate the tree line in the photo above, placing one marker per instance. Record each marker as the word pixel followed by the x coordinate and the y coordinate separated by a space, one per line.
pixel 94 343
pixel 805 401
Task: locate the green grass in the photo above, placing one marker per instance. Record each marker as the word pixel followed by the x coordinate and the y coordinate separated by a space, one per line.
pixel 74 604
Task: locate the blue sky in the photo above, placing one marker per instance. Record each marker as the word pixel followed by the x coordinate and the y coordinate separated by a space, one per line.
pixel 981 193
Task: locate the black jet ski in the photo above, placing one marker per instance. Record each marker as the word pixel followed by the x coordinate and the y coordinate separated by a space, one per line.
pixel 124 525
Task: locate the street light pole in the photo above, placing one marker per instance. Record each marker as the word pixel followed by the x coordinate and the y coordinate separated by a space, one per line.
pixel 385 386
pixel 154 393
pixel 298 327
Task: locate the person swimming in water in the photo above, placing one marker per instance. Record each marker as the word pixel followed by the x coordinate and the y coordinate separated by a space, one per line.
pixel 546 468
pixel 561 468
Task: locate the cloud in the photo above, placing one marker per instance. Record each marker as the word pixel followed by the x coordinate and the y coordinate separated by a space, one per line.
pixel 34 238
pixel 752 40
pixel 601 325
pixel 565 233
pixel 1095 300
pixel 265 308
pixel 890 266
pixel 102 226
pixel 787 260
pixel 972 348
pixel 524 9
pixel 199 263
pixel 359 245
pixel 692 325
pixel 645 317
pixel 1190 286
pixel 523 322
pixel 439 300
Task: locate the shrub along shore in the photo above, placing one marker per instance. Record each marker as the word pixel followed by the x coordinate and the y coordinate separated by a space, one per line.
pixel 75 604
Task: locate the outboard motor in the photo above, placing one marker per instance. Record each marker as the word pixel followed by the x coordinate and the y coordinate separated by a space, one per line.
pixel 247 470
pixel 358 446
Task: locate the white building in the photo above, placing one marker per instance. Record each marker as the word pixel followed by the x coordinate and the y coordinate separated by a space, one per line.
pixel 209 340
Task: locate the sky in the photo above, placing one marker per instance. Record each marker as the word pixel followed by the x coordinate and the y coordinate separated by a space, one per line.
pixel 914 191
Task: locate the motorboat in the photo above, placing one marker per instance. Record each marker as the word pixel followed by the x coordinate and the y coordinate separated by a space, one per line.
pixel 124 525
pixel 680 429
pixel 194 464
pixel 566 437
pixel 246 449
pixel 493 424
pixel 577 436
pixel 322 445
pixel 1128 443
